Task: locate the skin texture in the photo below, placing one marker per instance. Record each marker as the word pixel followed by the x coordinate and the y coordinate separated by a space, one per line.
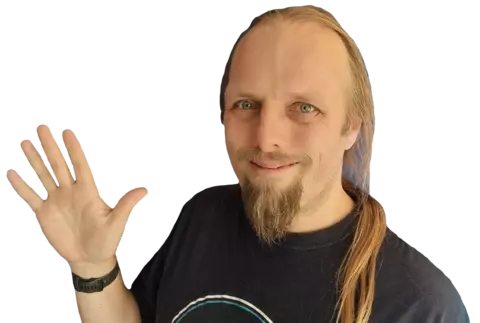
pixel 285 103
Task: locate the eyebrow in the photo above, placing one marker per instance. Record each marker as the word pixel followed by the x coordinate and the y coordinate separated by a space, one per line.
pixel 244 94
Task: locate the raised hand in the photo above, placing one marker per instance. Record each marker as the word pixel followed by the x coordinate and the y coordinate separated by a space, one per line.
pixel 81 227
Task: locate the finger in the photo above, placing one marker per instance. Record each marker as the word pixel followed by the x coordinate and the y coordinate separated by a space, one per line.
pixel 38 165
pixel 124 207
pixel 55 157
pixel 83 173
pixel 26 192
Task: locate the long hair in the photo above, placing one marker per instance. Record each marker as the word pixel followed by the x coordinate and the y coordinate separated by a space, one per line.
pixel 356 275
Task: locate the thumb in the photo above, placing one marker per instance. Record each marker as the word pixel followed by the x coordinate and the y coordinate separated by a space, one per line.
pixel 126 204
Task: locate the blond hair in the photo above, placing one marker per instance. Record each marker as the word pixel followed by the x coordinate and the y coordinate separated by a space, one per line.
pixel 356 276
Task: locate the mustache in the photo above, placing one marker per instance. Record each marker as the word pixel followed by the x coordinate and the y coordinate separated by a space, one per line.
pixel 256 154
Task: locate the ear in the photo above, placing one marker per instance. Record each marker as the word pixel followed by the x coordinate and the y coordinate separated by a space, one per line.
pixel 353 133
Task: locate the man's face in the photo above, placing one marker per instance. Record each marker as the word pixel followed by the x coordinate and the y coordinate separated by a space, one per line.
pixel 285 108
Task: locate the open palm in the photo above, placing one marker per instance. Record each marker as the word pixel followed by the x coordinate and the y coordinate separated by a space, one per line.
pixel 76 221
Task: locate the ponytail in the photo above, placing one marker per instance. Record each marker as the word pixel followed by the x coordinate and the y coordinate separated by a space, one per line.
pixel 356 282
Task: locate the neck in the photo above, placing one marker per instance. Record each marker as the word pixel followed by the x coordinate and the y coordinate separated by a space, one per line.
pixel 323 210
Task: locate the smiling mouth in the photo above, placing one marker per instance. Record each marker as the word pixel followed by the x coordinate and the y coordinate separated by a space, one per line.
pixel 273 167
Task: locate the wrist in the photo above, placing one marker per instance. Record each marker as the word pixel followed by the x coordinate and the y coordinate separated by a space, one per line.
pixel 93 270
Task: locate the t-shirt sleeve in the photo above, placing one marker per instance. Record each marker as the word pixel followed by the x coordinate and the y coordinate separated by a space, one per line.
pixel 418 291
pixel 439 300
pixel 442 308
pixel 145 286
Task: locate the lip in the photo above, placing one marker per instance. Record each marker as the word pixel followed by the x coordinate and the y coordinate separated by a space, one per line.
pixel 271 167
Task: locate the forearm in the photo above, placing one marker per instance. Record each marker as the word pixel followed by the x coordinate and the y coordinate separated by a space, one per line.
pixel 115 303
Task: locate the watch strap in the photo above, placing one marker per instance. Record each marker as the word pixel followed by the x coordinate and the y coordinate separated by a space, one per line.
pixel 93 285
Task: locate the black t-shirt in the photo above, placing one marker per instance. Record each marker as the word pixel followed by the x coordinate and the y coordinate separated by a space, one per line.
pixel 213 269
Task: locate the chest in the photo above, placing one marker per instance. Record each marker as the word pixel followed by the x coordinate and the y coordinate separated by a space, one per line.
pixel 232 284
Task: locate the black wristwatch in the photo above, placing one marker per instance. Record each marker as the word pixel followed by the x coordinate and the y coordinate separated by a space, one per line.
pixel 93 285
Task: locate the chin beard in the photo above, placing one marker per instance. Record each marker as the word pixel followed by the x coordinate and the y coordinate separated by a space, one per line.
pixel 270 210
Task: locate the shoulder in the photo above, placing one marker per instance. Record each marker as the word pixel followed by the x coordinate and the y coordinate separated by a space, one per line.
pixel 215 198
pixel 209 192
pixel 217 193
pixel 410 285
pixel 195 220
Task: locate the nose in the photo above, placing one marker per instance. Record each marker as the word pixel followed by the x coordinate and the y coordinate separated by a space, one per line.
pixel 272 128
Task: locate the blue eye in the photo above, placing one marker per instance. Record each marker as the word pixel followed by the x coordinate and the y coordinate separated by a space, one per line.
pixel 245 105
pixel 306 108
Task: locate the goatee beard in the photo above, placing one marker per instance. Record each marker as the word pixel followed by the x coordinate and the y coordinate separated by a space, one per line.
pixel 270 210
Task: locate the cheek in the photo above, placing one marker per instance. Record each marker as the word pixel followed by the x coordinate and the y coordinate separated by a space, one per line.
pixel 232 150
pixel 311 141
pixel 235 132
pixel 323 147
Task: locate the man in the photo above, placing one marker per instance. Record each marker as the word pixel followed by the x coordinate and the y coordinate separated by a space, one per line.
pixel 299 239
pixel 298 114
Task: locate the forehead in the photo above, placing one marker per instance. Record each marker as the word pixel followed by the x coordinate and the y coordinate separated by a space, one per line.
pixel 282 58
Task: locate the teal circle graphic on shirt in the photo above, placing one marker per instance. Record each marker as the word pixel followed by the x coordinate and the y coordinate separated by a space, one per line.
pixel 220 309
